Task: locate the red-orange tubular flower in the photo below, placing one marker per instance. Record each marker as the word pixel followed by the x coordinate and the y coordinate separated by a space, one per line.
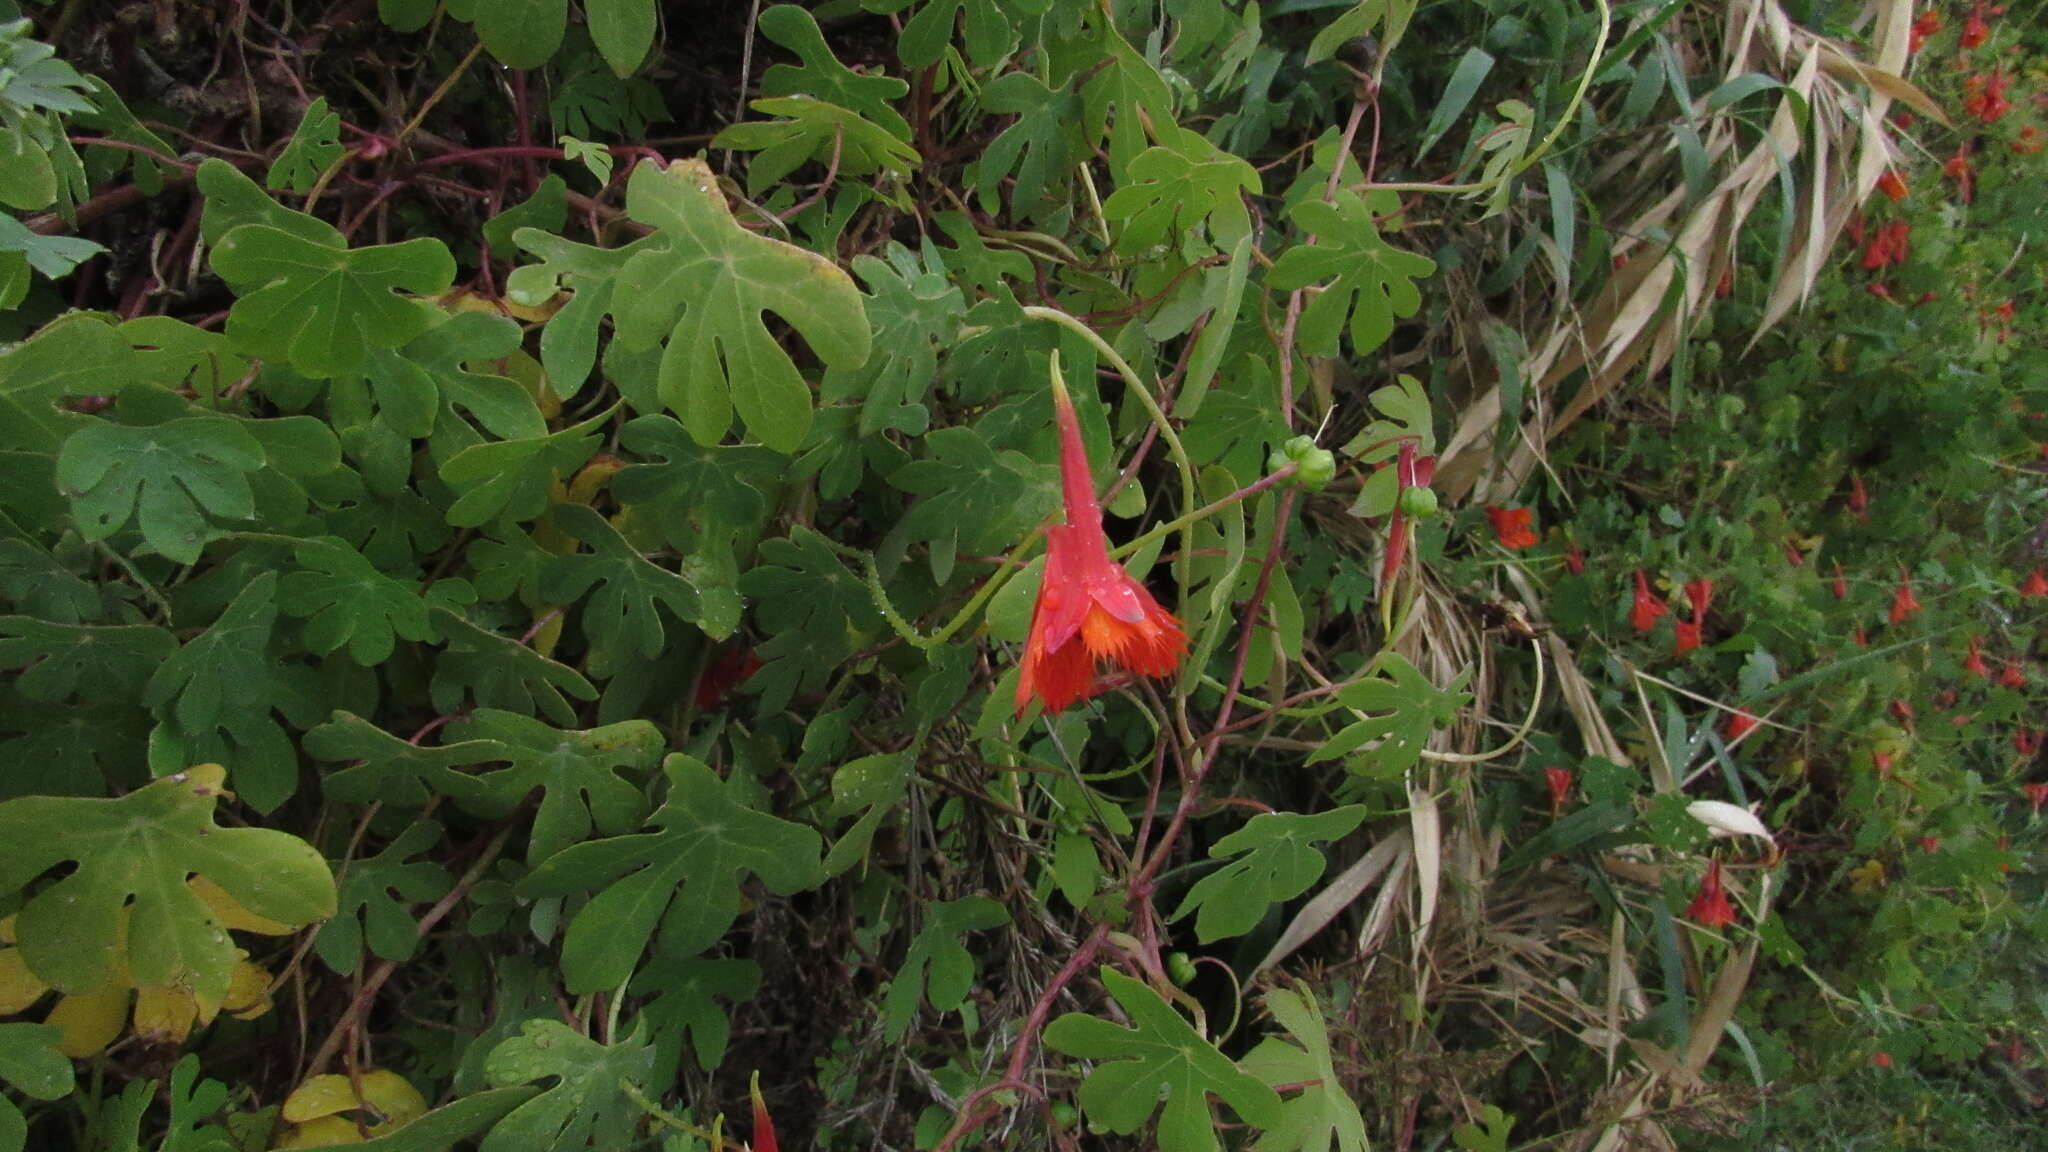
pixel 1643 613
pixel 764 1128
pixel 1740 724
pixel 1512 526
pixel 1089 609
pixel 1711 909
pixel 2037 795
pixel 1974 662
pixel 2036 585
pixel 1559 781
pixel 1903 603
pixel 1892 185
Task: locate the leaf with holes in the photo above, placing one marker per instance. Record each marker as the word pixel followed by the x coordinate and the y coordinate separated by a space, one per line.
pixel 133 856
pixel 1322 1111
pixel 624 613
pixel 380 890
pixel 685 876
pixel 938 966
pixel 347 602
pixel 314 147
pixel 705 293
pixel 577 772
pixel 1159 1056
pixel 1414 709
pixel 1178 184
pixel 169 478
pixel 1362 276
pixel 1276 861
pixel 586 1107
pixel 319 306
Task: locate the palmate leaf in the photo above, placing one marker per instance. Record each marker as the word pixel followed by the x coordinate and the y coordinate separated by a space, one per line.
pixel 705 290
pixel 1038 146
pixel 685 876
pixel 694 488
pixel 134 854
pixel 1322 1113
pixel 514 477
pixel 974 498
pixel 75 356
pixel 226 670
pixel 823 76
pixel 394 771
pixel 576 771
pixel 60 662
pixel 990 31
pixel 818 612
pixel 938 967
pixel 1414 709
pixel 314 146
pixel 319 306
pixel 568 345
pixel 1275 862
pixel 379 889
pixel 35 580
pixel 624 614
pixel 69 749
pixel 500 672
pixel 1177 184
pixel 586 1107
pixel 1161 1054
pixel 686 993
pixel 807 130
pixel 347 602
pixel 914 309
pixel 1363 276
pixel 169 478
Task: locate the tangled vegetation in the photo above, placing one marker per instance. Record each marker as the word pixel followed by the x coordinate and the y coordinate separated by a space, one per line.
pixel 524 526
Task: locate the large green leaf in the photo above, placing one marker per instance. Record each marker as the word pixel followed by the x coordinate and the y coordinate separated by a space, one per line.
pixel 807 130
pixel 975 499
pixel 1275 862
pixel 686 992
pixel 319 306
pixel 586 1107
pixel 817 611
pixel 30 1063
pixel 1363 276
pixel 520 33
pixel 685 876
pixel 170 478
pixel 705 292
pixel 390 770
pixel 226 670
pixel 1159 1056
pixel 133 856
pixel 60 662
pixel 623 31
pixel 515 477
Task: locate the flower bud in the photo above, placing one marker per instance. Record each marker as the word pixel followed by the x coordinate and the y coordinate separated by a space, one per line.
pixel 1419 503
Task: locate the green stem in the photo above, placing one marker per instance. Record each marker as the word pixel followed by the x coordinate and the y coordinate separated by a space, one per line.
pixel 1144 396
pixel 1205 511
pixel 902 627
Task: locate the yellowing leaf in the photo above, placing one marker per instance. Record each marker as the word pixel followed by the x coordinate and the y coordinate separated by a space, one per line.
pixel 89 1022
pixel 230 913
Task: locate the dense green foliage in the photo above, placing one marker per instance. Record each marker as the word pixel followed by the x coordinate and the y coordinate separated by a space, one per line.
pixel 519 523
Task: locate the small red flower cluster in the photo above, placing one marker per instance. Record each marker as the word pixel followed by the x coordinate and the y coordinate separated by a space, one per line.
pixel 1891 244
pixel 1892 185
pixel 1904 606
pixel 1984 96
pixel 1643 613
pixel 1512 526
pixel 1559 781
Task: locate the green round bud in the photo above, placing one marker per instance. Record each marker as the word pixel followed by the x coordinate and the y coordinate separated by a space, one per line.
pixel 1313 467
pixel 1180 969
pixel 1064 1115
pixel 1419 503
